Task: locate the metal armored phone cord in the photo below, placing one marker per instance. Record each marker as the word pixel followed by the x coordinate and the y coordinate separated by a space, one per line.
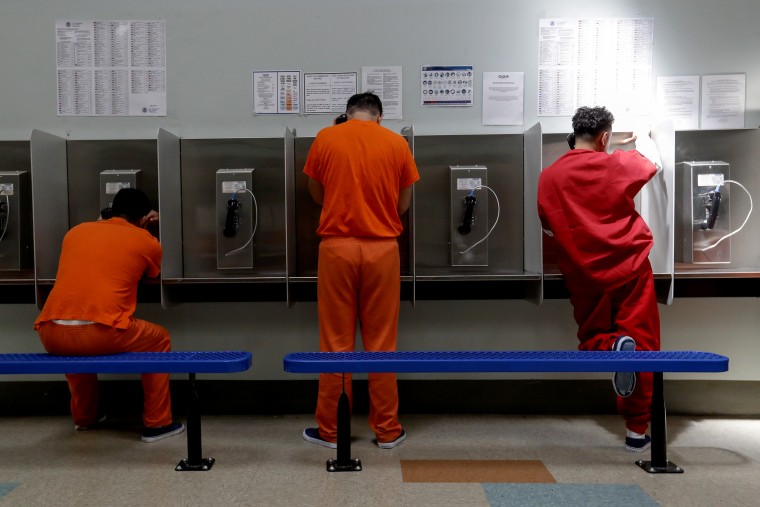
pixel 255 225
pixel 498 212
pixel 717 189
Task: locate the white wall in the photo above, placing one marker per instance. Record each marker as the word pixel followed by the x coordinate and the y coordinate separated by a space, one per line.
pixel 214 45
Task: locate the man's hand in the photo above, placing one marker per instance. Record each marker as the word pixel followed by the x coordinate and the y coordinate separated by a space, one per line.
pixel 630 139
pixel 149 219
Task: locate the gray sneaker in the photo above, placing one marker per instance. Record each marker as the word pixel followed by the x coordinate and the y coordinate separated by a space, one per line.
pixel 624 382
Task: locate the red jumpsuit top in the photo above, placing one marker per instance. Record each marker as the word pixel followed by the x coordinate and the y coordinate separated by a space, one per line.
pixel 100 266
pixel 362 167
pixel 585 200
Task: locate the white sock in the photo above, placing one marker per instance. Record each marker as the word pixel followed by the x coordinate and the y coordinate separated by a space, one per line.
pixel 633 434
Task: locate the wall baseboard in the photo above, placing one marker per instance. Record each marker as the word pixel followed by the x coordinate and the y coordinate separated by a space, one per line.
pixel 518 397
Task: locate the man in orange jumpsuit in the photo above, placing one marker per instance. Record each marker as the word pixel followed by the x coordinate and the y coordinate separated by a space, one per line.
pixel 585 201
pixel 362 175
pixel 90 309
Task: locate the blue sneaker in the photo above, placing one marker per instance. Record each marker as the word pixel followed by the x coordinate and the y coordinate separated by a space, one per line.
pixel 153 434
pixel 638 444
pixel 312 435
pixel 624 382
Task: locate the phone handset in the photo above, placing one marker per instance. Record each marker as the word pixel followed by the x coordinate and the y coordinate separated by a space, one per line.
pixel 232 223
pixel 469 213
pixel 712 206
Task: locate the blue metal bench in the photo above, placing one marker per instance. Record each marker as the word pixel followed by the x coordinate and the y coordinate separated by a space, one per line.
pixel 509 361
pixel 143 362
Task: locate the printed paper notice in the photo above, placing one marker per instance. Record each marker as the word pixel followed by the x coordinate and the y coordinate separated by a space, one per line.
pixel 678 100
pixel 594 62
pixel 277 92
pixel 723 101
pixel 385 82
pixel 111 68
pixel 446 85
pixel 503 98
pixel 328 92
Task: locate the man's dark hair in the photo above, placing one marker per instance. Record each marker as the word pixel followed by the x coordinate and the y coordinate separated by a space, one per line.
pixel 589 122
pixel 366 101
pixel 130 203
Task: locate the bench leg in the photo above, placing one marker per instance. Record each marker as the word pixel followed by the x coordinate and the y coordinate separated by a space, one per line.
pixel 194 462
pixel 344 463
pixel 659 453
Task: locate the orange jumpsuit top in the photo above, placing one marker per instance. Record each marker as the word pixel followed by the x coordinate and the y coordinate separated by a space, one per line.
pixel 585 199
pixel 362 167
pixel 101 263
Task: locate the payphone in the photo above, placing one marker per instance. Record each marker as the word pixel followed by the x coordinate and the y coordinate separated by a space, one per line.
pixel 113 180
pixel 469 215
pixel 703 219
pixel 15 221
pixel 236 218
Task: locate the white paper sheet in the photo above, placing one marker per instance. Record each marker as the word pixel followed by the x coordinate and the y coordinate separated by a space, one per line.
pixel 111 68
pixel 723 99
pixel 678 101
pixel 277 92
pixel 386 83
pixel 328 92
pixel 446 85
pixel 594 62
pixel 503 98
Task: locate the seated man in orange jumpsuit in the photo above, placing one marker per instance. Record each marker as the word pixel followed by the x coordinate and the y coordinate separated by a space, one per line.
pixel 362 175
pixel 90 309
pixel 585 201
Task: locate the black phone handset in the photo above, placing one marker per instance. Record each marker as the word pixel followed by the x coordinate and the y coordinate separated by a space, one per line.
pixel 232 223
pixel 469 213
pixel 712 207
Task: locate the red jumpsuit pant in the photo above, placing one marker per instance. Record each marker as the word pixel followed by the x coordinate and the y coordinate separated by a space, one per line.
pixel 99 339
pixel 358 281
pixel 630 309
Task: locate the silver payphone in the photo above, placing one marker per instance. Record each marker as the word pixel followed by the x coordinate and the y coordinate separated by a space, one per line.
pixel 15 221
pixel 113 180
pixel 469 215
pixel 236 218
pixel 703 217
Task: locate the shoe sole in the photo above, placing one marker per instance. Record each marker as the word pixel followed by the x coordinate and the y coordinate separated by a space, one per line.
pixel 638 449
pixel 624 382
pixel 97 424
pixel 394 443
pixel 323 443
pixel 165 435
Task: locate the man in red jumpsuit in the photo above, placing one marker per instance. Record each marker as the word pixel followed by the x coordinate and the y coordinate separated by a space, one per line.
pixel 585 201
pixel 362 175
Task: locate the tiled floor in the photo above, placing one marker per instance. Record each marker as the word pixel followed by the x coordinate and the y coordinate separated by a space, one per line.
pixel 263 461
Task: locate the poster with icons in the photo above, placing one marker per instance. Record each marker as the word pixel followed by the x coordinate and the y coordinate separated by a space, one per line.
pixel 446 85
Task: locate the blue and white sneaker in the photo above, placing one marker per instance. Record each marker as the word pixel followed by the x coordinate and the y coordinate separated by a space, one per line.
pixel 624 382
pixel 312 435
pixel 638 444
pixel 392 443
pixel 155 434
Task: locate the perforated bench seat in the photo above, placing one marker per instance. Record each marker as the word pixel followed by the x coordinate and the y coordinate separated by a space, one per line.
pixel 128 362
pixel 656 362
pixel 192 362
pixel 503 361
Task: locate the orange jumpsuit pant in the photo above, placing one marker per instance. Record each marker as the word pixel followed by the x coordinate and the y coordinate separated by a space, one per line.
pixel 98 339
pixel 630 310
pixel 358 280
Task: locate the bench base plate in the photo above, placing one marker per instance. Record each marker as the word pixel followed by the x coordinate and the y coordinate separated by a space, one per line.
pixel 669 468
pixel 353 465
pixel 204 465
